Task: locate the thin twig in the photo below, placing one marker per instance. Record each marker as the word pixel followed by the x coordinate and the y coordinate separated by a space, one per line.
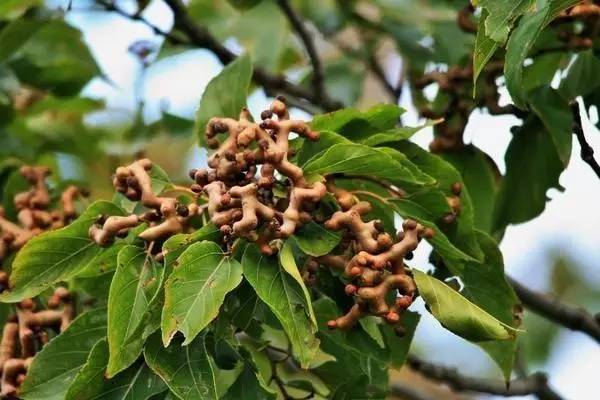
pixel 587 153
pixel 535 384
pixel 574 318
pixel 111 6
pixel 309 45
pixel 200 36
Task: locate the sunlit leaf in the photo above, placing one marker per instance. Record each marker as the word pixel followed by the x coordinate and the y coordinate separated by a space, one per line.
pixel 194 292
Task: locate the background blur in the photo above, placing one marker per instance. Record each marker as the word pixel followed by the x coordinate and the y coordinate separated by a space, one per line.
pixel 557 251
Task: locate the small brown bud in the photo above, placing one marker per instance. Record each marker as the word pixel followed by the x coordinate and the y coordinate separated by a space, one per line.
pixel 182 210
pixel 409 224
pixel 456 188
pixel 266 114
pixel 27 304
pixel 350 289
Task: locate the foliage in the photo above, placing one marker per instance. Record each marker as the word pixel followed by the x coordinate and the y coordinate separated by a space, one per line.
pixel 204 312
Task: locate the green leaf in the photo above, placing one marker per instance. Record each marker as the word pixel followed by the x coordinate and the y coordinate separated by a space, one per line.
pixel 244 4
pixel 311 148
pixel 283 296
pixel 15 35
pixel 521 42
pixel 315 240
pixel 248 387
pixel 262 24
pixel 134 287
pixel 582 77
pixel 461 232
pixel 45 62
pixel 398 346
pixel 440 242
pixel 57 255
pixel 202 277
pixel 358 159
pixel 288 262
pixel 344 80
pixel 187 370
pixel 177 244
pixel 356 355
pixel 459 315
pixel 11 9
pixel 225 95
pixel 501 15
pixel 485 47
pixel 485 284
pixel 396 134
pixel 555 114
pixel 356 125
pixel 532 167
pixel 136 383
pixel 57 364
pixel 480 175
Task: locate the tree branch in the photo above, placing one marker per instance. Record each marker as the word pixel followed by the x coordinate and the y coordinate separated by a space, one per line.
pixel 576 319
pixel 309 45
pixel 536 384
pixel 111 6
pixel 200 36
pixel 406 392
pixel 587 153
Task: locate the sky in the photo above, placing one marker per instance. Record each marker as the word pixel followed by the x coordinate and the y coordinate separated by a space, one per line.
pixel 567 226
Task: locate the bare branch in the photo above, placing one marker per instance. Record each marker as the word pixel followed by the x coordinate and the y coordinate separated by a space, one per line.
pixel 309 44
pixel 587 153
pixel 200 36
pixel 536 384
pixel 576 319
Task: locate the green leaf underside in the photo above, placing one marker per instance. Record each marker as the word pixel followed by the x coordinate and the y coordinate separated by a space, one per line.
pixel 225 95
pixel 288 262
pixel 555 114
pixel 521 42
pixel 532 167
pixel 440 242
pixel 135 284
pixel 485 284
pixel 501 14
pixel 247 386
pixel 56 255
pixel 459 315
pixel 136 383
pixel 485 47
pixel 187 370
pixel 196 289
pixel 56 365
pixel 283 296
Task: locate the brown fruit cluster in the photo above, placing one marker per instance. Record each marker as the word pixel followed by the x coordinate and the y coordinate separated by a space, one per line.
pixel 26 333
pixel 253 190
pixel 34 214
pixel 374 262
pixel 456 84
pixel 241 202
pixel 166 215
